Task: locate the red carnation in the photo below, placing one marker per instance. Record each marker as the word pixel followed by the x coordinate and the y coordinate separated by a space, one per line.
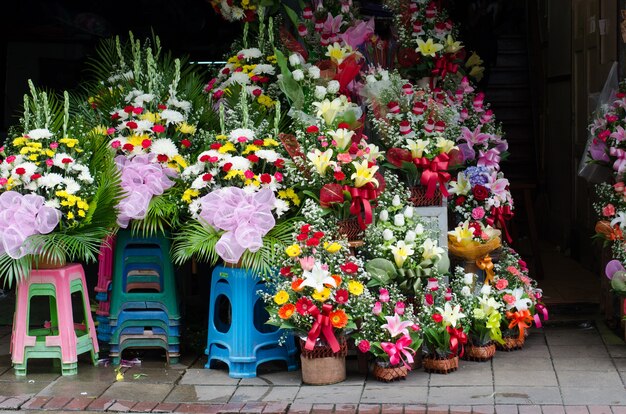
pixel 313 129
pixel 131 124
pixel 215 146
pixel 185 143
pixel 35 177
pixel 343 125
pixel 349 268
pixel 20 171
pixel 341 296
pixel 128 109
pixel 339 176
pixel 302 237
pixel 480 192
pixel 305 229
pixel 146 143
pixel 207 177
pixel 313 241
pixel 285 271
pixel 162 107
pixel 128 147
pixel 279 163
pixel 253 158
pixel 115 116
pixel 318 234
pixel 204 158
pixel 437 318
pixel 265 178
pixel 158 128
pixel 66 160
pixel 258 142
pixel 476 228
pixel 162 158
pixel 227 166
pixel 137 110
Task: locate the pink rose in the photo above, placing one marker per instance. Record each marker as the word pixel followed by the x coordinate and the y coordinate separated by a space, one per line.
pixel 513 270
pixel 116 144
pixel 399 309
pixel 608 210
pixel 510 299
pixel 364 346
pixel 344 157
pixel 383 295
pixel 525 280
pixel 478 213
pixel 502 284
pixel 377 309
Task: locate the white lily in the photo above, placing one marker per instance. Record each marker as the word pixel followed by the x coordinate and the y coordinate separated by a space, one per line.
pixel 417 147
pixel 401 251
pixel 317 278
pixel 321 160
pixel 451 315
pixel 430 249
pixel 461 186
pixel 343 137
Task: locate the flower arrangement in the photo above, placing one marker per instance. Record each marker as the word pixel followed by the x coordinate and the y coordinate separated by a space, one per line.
pixel 484 308
pixel 427 39
pixel 481 194
pixel 611 210
pixel 240 10
pixel 416 128
pixel 57 189
pixel 317 289
pixel 401 250
pixel 616 273
pixel 389 329
pixel 472 240
pixel 442 320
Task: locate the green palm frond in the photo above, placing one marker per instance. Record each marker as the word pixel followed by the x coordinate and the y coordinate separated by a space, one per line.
pixel 161 216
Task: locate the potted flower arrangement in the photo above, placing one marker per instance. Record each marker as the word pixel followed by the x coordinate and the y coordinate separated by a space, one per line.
pixel 234 192
pixel 521 298
pixel 444 337
pixel 314 296
pixel 481 194
pixel 417 129
pixel 389 330
pixel 58 189
pixel 401 250
pixel 483 318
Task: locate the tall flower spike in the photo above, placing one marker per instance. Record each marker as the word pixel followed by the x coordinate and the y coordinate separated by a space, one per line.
pixel 222 119
pixel 261 14
pixel 120 55
pixel 26 118
pixel 276 117
pixel 244 107
pixel 66 112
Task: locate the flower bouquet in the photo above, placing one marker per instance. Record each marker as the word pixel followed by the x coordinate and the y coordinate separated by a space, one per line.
pixel 427 45
pixel 390 332
pixel 471 240
pixel 484 315
pixel 314 296
pixel 444 338
pixel 234 192
pixel 416 129
pixel 482 195
pixel 58 189
pixel 400 250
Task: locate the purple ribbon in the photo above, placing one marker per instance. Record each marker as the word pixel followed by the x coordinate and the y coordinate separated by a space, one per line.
pixel 22 216
pixel 142 179
pixel 245 217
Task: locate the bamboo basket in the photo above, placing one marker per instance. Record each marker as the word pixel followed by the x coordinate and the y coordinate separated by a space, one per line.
pixel 439 365
pixel 477 353
pixel 384 372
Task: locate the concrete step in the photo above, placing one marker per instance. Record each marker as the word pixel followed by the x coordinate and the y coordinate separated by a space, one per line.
pixel 516 59
pixel 512 42
pixel 508 76
pixel 512 93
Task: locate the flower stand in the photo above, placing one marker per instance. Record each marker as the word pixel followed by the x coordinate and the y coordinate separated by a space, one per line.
pixel 144 305
pixel 64 339
pixel 384 372
pixel 237 333
pixel 322 366
pixel 479 353
pixel 440 365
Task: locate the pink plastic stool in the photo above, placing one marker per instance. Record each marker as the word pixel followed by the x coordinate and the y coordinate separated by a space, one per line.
pixel 63 339
pixel 105 264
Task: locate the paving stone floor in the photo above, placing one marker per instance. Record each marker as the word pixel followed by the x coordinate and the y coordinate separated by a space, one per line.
pixel 563 369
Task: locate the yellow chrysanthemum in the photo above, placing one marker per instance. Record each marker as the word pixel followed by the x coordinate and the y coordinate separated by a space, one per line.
pixel 250 148
pixel 270 142
pixel 189 195
pixel 227 147
pixel 265 100
pixel 221 137
pixel 69 142
pixel 70 215
pixel 332 247
pixel 281 297
pixel 185 128
pixel 178 159
pixel 149 116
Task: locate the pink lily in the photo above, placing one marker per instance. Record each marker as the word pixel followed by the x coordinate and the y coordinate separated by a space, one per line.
pixel 396 326
pixel 619 135
pixel 489 159
pixel 333 24
pixel 474 137
pixel 355 36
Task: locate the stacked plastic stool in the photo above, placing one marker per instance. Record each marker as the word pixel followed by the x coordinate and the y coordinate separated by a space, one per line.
pixel 144 306
pixel 103 289
pixel 237 332
pixel 63 339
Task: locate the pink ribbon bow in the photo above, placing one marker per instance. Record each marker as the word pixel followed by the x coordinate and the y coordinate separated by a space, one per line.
pixel 399 351
pixel 540 309
pixel 620 163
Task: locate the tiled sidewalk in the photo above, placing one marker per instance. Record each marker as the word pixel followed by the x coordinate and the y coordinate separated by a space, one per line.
pixel 562 370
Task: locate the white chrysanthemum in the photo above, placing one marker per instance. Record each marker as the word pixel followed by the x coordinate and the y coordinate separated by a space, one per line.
pixel 143 126
pixel 192 170
pixel 267 155
pixel 59 157
pixel 84 175
pixel 184 105
pixel 240 163
pixel 251 53
pixel 50 180
pixel 194 208
pixel 280 207
pixel 39 133
pixel 314 72
pixel 298 75
pixel 199 183
pixel 172 117
pixel 53 202
pixel 250 189
pixel 141 100
pixel 238 77
pixel 263 68
pixel 71 186
pixel 164 146
pixel 235 134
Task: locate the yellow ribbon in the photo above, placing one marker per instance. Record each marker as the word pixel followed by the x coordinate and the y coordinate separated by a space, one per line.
pixel 486 265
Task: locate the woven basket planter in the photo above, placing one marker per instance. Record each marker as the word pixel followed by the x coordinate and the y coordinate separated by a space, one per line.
pixel 418 197
pixel 511 343
pixel 482 353
pixel 439 365
pixel 350 229
pixel 321 366
pixel 384 372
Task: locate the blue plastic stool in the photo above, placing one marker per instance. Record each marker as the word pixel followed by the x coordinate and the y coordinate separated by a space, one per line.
pixel 103 330
pixel 244 342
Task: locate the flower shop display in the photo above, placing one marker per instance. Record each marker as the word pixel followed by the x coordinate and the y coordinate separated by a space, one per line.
pixel 58 189
pixel 441 322
pixel 484 315
pixel 314 295
pixel 390 332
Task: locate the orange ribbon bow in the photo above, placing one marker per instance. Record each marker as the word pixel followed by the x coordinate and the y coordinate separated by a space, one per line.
pixel 521 319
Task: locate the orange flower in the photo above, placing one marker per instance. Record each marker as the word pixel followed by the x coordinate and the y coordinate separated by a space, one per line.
pixel 338 318
pixel 286 311
pixel 297 284
pixel 337 280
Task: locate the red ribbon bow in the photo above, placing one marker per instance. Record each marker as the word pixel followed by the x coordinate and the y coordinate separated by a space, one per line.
pixel 457 339
pixel 499 216
pixel 443 65
pixel 360 202
pixel 399 351
pixel 322 326
pixel 434 174
pixel 521 319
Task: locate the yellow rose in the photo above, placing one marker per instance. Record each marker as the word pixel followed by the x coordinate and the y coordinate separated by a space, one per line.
pixel 322 296
pixel 281 297
pixel 354 287
pixel 333 247
pixel 293 250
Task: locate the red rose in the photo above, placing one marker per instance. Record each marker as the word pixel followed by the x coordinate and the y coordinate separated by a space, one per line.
pixel 480 192
pixel 437 318
pixel 279 163
pixel 313 129
pixel 331 194
pixel 459 200
pixel 285 271
pixel 476 228
pixel 408 57
pixel 397 156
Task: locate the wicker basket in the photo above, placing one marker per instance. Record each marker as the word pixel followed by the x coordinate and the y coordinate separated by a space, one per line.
pixel 511 343
pixel 321 366
pixel 418 197
pixel 350 229
pixel 384 372
pixel 477 353
pixel 439 365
